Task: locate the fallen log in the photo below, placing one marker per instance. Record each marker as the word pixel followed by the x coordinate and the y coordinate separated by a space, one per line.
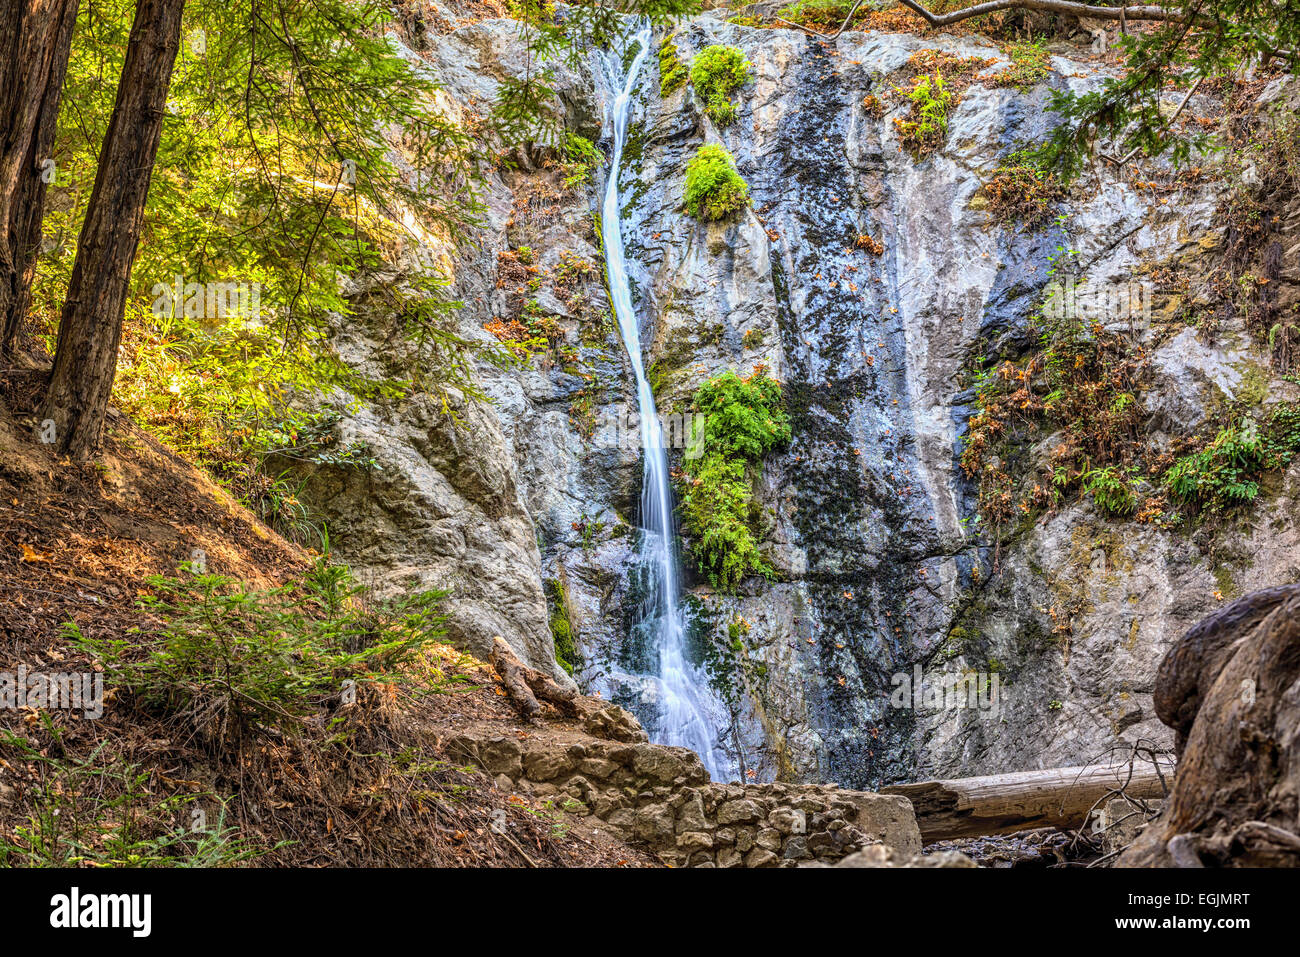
pixel 1005 803
pixel 524 685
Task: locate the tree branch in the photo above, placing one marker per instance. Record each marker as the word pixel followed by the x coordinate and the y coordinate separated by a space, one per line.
pixel 1123 14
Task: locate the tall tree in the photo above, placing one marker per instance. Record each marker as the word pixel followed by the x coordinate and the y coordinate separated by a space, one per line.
pixel 90 330
pixel 35 39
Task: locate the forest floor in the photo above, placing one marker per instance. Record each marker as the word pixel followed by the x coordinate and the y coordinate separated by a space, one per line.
pixel 366 785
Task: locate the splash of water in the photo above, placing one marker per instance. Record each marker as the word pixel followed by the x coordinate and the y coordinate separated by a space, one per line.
pixel 690 716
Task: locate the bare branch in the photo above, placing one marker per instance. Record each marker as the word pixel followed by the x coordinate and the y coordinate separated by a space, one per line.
pixel 1122 14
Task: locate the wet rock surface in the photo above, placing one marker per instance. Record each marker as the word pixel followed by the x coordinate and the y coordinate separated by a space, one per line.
pixel 526 506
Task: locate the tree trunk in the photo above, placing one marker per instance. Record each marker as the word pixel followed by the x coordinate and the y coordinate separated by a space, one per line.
pixel 1022 800
pixel 1230 689
pixel 90 331
pixel 35 39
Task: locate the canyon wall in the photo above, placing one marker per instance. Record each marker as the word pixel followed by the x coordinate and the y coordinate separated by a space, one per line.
pixel 525 505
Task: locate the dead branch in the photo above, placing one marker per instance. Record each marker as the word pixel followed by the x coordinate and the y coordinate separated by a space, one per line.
pixel 1068 7
pixel 524 685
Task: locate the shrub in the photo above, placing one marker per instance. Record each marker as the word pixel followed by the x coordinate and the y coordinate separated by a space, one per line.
pixel 742 416
pixel 1029 64
pixel 743 421
pixel 1224 473
pixel 927 124
pixel 828 14
pixel 716 71
pixel 1111 491
pixel 231 661
pixel 1022 191
pixel 672 71
pixel 714 190
pixel 580 162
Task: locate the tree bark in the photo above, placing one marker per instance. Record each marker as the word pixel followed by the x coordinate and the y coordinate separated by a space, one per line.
pixel 35 39
pixel 524 686
pixel 1067 7
pixel 90 331
pixel 1230 689
pixel 1022 800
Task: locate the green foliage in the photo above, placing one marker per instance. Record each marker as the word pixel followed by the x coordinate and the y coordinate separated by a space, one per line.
pixel 95 812
pixel 1111 490
pixel 743 416
pixel 273 174
pixel 1021 190
pixel 717 71
pixel 1228 470
pixel 714 190
pixel 927 124
pixel 743 421
pixel 1207 42
pixel 232 660
pixel 1030 62
pixel 672 71
pixel 826 14
pixel 566 652
pixel 581 161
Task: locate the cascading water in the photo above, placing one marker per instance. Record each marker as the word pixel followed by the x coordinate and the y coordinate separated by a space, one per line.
pixel 689 715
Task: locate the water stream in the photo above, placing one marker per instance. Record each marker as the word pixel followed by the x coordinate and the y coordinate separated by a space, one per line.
pixel 689 715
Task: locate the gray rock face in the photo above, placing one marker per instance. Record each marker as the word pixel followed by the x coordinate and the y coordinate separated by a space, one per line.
pixel 869 516
pixel 866 516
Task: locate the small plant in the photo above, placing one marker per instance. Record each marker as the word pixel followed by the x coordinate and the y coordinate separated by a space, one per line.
pixel 1020 190
pixel 714 190
pixel 874 106
pixel 581 160
pixel 672 71
pixel 716 72
pixel 231 661
pixel 870 244
pixel 927 123
pixel 1030 62
pixel 1111 491
pixel 1224 473
pixel 743 421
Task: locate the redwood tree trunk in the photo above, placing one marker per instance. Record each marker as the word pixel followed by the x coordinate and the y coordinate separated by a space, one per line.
pixel 91 326
pixel 35 38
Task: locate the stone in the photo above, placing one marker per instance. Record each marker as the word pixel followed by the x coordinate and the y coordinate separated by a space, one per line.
pixel 545 763
pixel 655 762
pixel 606 803
pixel 760 857
pixel 788 820
pixel 796 848
pixel 738 812
pixel 599 768
pixel 730 857
pixel 654 824
pixel 694 841
pixel 769 839
pixel 690 817
pixel 501 756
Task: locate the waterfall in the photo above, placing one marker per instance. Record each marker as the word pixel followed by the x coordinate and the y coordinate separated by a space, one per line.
pixel 689 714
